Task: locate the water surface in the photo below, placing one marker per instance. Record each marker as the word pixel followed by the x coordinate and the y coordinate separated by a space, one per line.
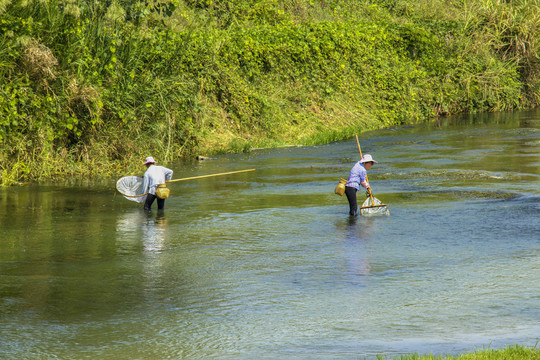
pixel 268 264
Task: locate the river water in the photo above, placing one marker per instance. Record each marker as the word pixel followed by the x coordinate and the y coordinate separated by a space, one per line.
pixel 269 265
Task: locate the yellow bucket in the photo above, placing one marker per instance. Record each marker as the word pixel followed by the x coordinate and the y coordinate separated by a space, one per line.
pixel 162 192
pixel 340 188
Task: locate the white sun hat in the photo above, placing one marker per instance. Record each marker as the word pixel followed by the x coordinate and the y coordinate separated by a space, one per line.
pixel 149 160
pixel 367 158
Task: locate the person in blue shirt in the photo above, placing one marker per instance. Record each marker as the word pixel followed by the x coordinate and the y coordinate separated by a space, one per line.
pixel 357 178
pixel 154 176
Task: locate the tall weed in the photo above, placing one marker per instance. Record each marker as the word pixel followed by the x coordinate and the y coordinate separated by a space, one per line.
pixel 113 82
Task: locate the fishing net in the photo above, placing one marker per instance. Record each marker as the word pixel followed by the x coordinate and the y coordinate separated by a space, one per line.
pixel 373 208
pixel 132 188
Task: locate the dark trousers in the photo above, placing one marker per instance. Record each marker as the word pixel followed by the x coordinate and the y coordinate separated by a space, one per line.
pixel 351 196
pixel 150 200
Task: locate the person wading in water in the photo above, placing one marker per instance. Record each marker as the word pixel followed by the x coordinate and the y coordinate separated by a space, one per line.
pixel 154 176
pixel 357 178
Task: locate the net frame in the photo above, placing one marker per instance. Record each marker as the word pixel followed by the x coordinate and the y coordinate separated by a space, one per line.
pixel 131 187
pixel 374 208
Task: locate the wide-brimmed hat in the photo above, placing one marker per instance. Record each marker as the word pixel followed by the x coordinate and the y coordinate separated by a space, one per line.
pixel 367 158
pixel 149 160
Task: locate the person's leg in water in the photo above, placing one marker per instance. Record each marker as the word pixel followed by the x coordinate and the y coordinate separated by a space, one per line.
pixel 149 201
pixel 160 204
pixel 351 196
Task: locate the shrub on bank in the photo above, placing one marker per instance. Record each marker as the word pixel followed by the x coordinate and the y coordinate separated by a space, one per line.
pixel 111 82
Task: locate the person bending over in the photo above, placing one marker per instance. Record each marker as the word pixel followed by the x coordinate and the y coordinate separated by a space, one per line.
pixel 154 176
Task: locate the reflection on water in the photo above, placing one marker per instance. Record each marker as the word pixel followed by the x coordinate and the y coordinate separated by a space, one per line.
pixel 137 225
pixel 356 233
pixel 269 264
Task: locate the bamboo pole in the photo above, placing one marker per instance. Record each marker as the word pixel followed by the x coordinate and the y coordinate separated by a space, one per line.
pixel 210 175
pixel 360 150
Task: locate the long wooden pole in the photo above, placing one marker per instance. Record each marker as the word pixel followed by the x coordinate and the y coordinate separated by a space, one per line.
pixel 210 175
pixel 360 150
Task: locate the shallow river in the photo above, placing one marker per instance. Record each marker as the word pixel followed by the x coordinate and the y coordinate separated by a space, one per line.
pixel 269 265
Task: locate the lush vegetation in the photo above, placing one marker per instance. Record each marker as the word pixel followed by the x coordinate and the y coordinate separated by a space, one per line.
pixel 510 353
pixel 89 88
pixel 515 352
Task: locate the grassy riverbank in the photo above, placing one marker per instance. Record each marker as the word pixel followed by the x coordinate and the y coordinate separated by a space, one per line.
pixel 510 353
pixel 91 88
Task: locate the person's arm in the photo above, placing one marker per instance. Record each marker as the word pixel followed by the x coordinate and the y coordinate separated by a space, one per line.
pixel 363 179
pixel 168 174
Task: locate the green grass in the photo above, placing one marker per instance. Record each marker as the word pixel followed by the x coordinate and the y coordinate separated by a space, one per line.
pixel 515 352
pixel 109 83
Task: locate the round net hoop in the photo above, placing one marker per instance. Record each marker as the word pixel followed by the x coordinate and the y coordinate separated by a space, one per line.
pixel 131 187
